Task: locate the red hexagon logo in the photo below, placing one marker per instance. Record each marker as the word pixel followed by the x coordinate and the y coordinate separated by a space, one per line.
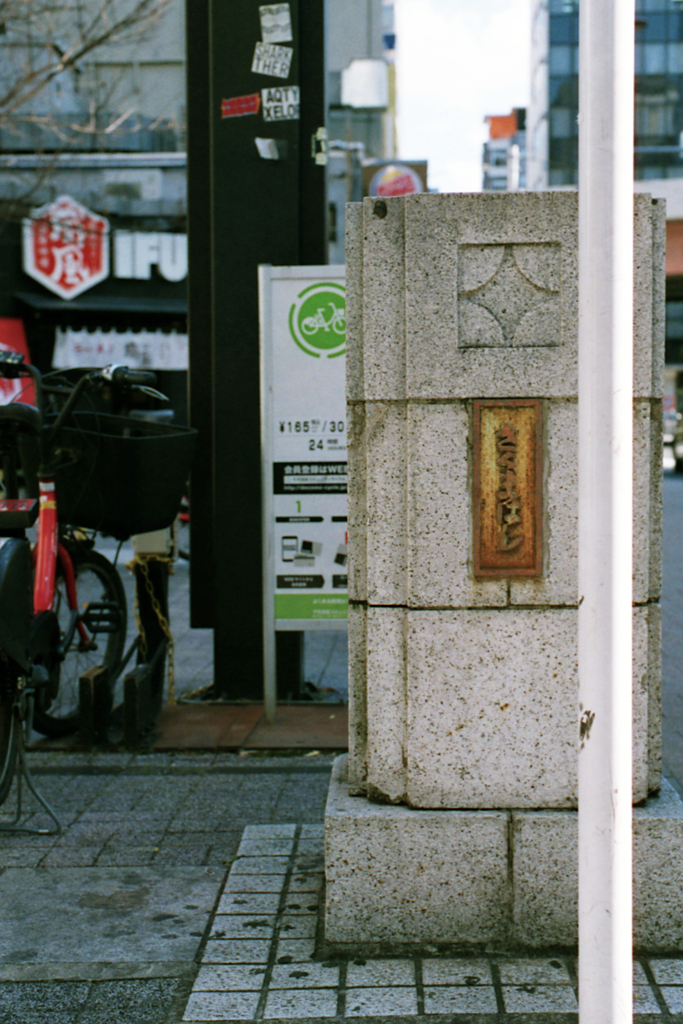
pixel 66 247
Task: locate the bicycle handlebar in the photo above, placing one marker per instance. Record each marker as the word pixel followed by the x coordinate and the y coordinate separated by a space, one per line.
pixel 116 373
pixel 12 365
pixel 120 374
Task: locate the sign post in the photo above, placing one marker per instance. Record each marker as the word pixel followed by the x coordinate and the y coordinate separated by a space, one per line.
pixel 303 436
pixel 605 508
pixel 256 194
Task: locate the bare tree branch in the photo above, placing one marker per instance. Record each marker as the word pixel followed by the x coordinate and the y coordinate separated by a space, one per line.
pixel 61 35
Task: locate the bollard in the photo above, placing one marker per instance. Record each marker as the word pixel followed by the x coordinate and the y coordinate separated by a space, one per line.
pixel 95 704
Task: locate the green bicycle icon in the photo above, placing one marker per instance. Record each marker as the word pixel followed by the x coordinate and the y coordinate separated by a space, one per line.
pixel 337 321
pixel 317 320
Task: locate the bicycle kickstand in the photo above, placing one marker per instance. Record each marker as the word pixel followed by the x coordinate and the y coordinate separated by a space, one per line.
pixel 24 773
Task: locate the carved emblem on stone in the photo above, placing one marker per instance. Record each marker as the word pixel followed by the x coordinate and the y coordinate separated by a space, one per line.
pixel 509 295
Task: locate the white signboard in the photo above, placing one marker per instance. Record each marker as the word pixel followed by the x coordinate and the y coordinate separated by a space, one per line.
pixel 303 346
pixel 140 350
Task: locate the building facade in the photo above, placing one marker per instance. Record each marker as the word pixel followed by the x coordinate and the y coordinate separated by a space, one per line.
pixel 553 142
pixel 553 109
pixel 361 37
pixel 110 133
pixel 504 154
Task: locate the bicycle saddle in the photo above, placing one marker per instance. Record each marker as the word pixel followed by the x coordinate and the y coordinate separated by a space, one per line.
pixel 26 418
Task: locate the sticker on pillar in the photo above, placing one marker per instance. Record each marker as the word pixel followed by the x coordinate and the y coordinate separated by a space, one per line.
pixel 281 103
pixel 317 320
pixel 272 60
pixel 508 487
pixel 240 106
pixel 276 23
pixel 271 149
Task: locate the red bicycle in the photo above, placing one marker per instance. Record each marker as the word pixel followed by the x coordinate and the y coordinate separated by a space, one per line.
pixel 76 618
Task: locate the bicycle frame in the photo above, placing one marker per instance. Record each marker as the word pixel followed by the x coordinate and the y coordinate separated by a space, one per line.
pixel 39 634
pixel 47 548
pixel 46 553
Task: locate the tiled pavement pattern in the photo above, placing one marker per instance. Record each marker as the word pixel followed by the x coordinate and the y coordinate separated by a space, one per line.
pixel 260 962
pixel 163 813
pixel 174 811
pixel 125 810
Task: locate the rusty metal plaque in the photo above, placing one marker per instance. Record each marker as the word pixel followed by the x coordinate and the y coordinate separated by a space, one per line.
pixel 508 487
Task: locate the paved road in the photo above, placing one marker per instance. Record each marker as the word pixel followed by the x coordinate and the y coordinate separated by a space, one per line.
pixel 672 629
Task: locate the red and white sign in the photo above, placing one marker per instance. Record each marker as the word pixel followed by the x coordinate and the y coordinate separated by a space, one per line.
pixel 13 339
pixel 239 106
pixel 66 247
pixel 395 180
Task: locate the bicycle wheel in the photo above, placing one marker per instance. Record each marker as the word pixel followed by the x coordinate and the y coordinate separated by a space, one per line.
pixel 97 582
pixel 8 728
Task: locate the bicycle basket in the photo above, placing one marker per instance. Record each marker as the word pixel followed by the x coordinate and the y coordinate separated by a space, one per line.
pixel 121 475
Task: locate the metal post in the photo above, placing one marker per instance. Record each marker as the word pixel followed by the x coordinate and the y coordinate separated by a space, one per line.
pixel 605 507
pixel 244 210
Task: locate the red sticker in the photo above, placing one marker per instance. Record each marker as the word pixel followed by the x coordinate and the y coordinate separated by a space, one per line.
pixel 241 105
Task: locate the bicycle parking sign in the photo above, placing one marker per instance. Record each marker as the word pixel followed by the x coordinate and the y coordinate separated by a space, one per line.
pixel 303 424
pixel 317 320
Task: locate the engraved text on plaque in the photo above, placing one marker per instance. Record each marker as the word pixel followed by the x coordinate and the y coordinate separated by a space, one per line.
pixel 508 487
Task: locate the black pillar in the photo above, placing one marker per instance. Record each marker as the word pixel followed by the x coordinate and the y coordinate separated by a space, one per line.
pixel 243 210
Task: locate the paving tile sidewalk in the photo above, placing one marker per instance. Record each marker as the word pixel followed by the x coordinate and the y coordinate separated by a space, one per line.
pixel 103 924
pixel 142 912
pixel 265 959
pixel 187 888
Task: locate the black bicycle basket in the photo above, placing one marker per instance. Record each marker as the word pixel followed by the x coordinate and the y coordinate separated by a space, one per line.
pixel 121 475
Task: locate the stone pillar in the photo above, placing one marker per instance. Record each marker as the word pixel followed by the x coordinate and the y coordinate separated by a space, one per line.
pixel 462 406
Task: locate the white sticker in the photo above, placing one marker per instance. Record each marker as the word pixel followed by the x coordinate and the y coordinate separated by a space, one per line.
pixel 272 60
pixel 281 103
pixel 276 23
pixel 268 149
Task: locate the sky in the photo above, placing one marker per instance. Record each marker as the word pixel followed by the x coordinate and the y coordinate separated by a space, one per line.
pixel 456 62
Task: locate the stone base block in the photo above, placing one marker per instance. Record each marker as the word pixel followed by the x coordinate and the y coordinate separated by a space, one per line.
pixel 396 875
pixel 544 847
pixel 507 879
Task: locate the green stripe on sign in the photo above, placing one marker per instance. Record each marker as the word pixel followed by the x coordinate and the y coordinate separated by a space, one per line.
pixel 311 606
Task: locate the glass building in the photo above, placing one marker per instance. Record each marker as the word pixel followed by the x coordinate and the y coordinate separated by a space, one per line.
pixel 553 142
pixel 553 129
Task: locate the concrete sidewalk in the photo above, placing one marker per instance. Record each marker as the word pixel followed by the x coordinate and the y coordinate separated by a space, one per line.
pixel 107 922
pixel 186 887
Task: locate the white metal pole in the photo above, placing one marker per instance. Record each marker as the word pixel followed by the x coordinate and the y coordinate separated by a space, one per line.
pixel 605 507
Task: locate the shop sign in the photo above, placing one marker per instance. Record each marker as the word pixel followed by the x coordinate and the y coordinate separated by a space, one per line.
pixel 395 180
pixel 143 350
pixel 66 247
pixel 136 252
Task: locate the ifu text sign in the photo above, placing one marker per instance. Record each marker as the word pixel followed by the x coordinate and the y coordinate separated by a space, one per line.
pixel 303 347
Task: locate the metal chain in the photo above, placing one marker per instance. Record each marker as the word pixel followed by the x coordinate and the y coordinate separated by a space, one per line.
pixel 161 618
